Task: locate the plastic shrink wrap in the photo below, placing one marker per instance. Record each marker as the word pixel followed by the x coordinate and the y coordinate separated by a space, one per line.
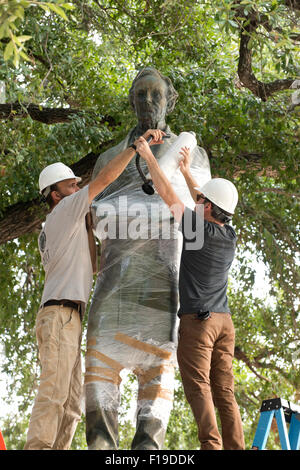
pixel 169 162
pixel 133 314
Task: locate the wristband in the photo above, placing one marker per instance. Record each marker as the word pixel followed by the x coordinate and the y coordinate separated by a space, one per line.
pixel 132 146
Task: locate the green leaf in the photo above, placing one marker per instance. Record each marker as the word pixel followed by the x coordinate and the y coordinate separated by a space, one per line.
pixel 9 50
pixel 20 39
pixel 57 10
pixel 4 30
pixel 44 7
pixel 67 6
pixel 20 12
pixel 25 56
pixel 233 23
pixel 12 18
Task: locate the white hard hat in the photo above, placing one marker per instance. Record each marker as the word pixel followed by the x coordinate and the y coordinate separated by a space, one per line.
pixel 221 192
pixel 53 174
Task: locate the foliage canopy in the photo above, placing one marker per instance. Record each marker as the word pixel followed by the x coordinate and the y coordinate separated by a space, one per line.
pixel 233 65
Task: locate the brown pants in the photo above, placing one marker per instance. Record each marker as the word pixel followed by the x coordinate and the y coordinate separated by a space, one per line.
pixel 57 407
pixel 205 353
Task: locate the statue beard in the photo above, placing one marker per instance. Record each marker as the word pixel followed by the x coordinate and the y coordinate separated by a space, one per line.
pixel 151 120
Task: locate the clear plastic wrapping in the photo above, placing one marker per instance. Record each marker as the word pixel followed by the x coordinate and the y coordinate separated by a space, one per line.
pixel 133 315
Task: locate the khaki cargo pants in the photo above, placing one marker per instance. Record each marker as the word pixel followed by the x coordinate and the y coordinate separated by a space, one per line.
pixel 205 353
pixel 57 407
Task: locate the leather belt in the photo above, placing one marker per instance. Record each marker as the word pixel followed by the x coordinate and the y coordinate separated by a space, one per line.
pixel 65 303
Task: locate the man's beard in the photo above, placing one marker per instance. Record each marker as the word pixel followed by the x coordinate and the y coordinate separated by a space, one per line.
pixel 62 195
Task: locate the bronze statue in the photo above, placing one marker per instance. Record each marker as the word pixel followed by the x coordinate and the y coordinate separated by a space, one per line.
pixel 133 314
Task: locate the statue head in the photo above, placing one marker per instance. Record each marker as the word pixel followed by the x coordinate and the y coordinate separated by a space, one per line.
pixel 152 96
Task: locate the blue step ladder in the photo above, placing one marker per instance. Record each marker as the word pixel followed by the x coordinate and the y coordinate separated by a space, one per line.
pixel 284 412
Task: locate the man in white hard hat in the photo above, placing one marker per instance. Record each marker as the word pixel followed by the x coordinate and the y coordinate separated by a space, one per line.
pixel 206 332
pixel 66 257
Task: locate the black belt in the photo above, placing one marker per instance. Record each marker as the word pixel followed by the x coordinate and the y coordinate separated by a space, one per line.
pixel 65 303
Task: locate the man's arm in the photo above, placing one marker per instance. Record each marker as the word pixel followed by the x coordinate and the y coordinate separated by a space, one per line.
pixel 160 181
pixel 117 165
pixel 110 172
pixel 184 166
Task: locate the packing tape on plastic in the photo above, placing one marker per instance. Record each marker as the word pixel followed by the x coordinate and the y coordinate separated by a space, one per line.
pixel 155 391
pixel 95 378
pixel 146 347
pixel 112 374
pixel 105 359
pixel 147 376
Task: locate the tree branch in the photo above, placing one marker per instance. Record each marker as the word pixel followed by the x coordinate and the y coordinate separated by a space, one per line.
pixel 256 364
pixel 278 191
pixel 37 113
pixel 241 356
pixel 293 4
pixel 42 114
pixel 248 79
pixel 248 26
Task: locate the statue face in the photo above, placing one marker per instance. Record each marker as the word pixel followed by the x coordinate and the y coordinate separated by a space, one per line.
pixel 150 101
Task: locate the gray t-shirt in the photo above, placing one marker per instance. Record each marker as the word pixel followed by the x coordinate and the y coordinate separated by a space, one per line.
pixel 203 276
pixel 64 248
